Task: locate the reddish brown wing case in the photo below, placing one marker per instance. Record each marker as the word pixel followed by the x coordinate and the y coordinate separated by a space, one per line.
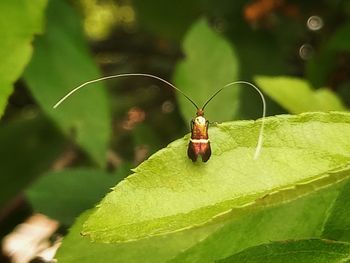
pixel 199 144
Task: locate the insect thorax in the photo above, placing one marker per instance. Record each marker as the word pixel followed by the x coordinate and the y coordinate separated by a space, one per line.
pixel 200 120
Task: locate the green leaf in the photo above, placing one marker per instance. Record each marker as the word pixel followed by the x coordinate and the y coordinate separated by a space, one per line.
pixel 27 148
pixel 61 61
pixel 297 96
pixel 300 218
pixel 20 20
pixel 210 64
pixel 169 193
pixel 64 195
pixel 299 251
pixel 77 249
pixel 157 249
pixel 337 226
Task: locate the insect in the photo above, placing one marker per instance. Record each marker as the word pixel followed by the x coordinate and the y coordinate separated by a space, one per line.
pixel 199 144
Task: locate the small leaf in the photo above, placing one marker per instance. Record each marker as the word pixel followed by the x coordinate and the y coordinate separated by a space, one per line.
pixel 64 195
pixel 299 251
pixel 210 64
pixel 19 22
pixel 61 61
pixel 169 193
pixel 297 96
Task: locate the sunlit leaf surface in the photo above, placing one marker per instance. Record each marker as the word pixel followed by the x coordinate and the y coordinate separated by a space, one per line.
pixel 169 193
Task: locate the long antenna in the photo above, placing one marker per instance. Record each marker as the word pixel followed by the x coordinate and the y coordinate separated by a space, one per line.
pixel 119 76
pixel 261 132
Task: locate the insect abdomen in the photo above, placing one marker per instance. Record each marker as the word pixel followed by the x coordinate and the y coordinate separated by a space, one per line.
pixel 198 147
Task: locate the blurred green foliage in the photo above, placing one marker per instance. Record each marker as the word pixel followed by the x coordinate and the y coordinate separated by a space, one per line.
pixel 61 61
pixel 199 79
pixel 19 164
pixel 19 21
pixel 297 52
pixel 296 95
pixel 46 194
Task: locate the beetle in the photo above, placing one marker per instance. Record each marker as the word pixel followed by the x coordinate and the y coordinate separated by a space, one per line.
pixel 199 144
